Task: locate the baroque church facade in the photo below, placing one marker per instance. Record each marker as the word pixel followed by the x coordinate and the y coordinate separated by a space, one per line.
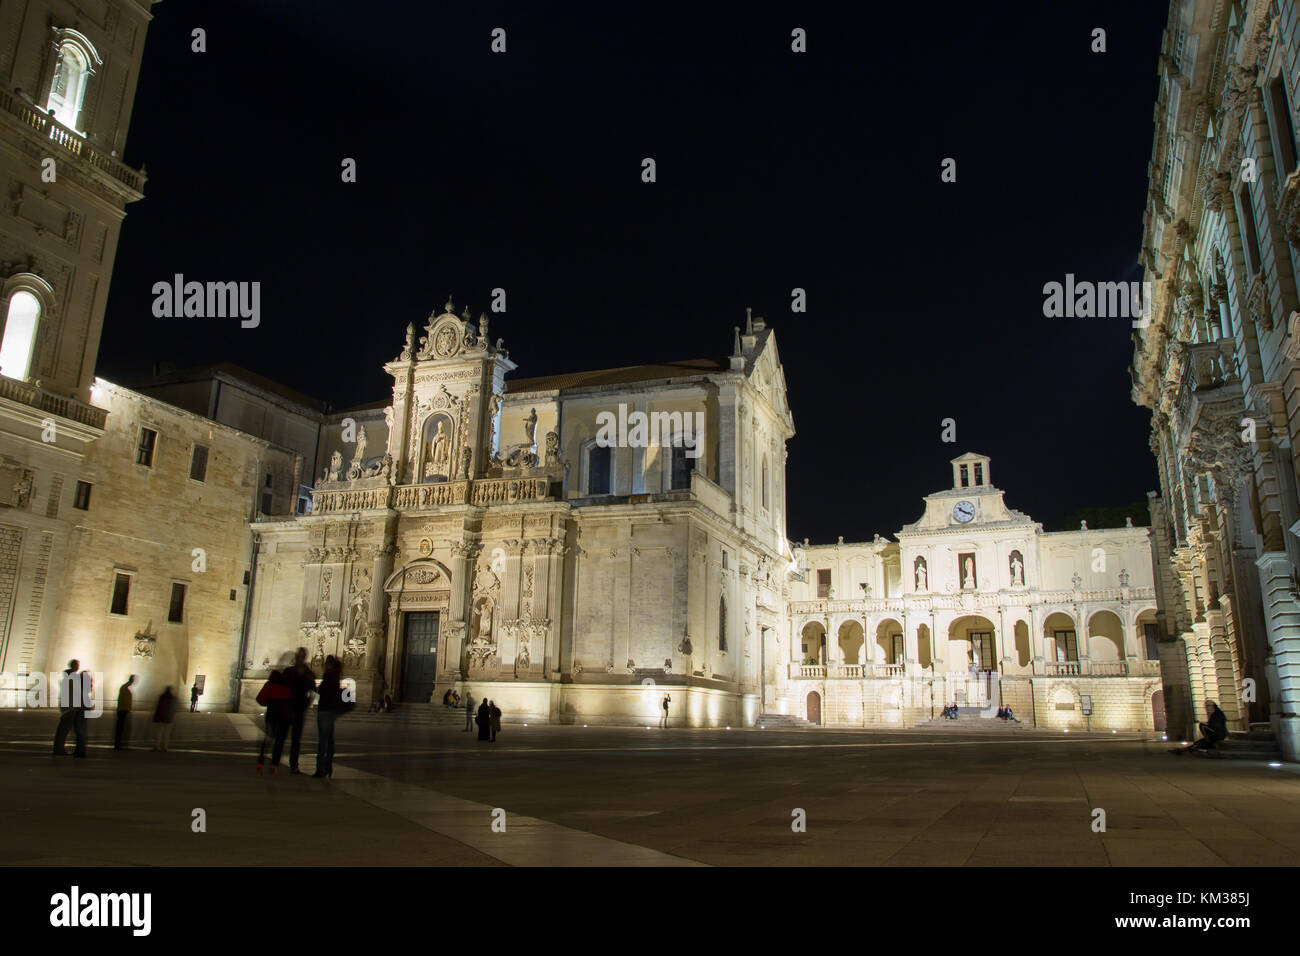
pixel 494 533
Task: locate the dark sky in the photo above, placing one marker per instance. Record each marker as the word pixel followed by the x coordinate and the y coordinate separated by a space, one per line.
pixel 775 171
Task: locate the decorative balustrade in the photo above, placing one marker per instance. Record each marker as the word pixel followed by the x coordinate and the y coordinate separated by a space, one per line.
pixel 70 140
pixel 26 394
pixel 415 497
pixel 486 491
pixel 922 603
pixel 1061 668
pixel 499 491
pixel 332 502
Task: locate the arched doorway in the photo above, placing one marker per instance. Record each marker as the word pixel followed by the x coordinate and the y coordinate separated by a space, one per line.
pixel 979 637
pixel 889 642
pixel 814 708
pixel 418 598
pixel 1158 710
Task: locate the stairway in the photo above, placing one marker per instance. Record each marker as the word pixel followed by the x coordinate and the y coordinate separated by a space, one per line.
pixel 415 715
pixel 1260 743
pixel 782 722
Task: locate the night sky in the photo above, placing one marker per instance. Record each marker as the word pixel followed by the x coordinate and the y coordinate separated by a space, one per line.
pixel 775 170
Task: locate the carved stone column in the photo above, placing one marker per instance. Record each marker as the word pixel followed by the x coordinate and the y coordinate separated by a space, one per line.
pixel 463 554
pixel 377 612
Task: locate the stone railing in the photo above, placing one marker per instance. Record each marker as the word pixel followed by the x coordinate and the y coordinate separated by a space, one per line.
pixel 70 140
pixel 365 499
pixel 1062 668
pixel 26 394
pixel 415 497
pixel 500 491
pixel 922 603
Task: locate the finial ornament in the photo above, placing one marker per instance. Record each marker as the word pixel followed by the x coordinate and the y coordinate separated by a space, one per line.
pixel 736 346
pixel 450 306
pixel 749 321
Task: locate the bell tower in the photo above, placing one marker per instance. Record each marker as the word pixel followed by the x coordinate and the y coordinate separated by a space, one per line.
pixel 446 398
pixel 971 471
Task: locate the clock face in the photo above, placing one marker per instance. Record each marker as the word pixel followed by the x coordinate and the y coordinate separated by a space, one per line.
pixel 963 511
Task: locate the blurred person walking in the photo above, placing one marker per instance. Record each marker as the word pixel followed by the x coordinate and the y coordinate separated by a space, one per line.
pixel 495 712
pixel 163 715
pixel 276 696
pixel 125 700
pixel 76 691
pixel 469 709
pixel 302 681
pixel 484 720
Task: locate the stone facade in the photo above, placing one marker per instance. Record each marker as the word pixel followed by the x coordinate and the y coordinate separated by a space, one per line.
pixel 488 534
pixel 974 604
pixel 1217 363
pixel 180 520
pixel 65 194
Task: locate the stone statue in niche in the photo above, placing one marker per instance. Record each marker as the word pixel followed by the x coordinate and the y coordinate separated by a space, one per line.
pixel 359 455
pixel 922 583
pixel 521 661
pixel 968 572
pixel 466 456
pixel 336 466
pixel 440 450
pixel 552 449
pixel 530 427
pixel 23 489
pixel 1017 570
pixel 485 622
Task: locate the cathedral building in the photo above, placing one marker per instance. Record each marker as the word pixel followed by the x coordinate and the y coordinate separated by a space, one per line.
pixel 974 604
pixel 575 547
pixel 1217 363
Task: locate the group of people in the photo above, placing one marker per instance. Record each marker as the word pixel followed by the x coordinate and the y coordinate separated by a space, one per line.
pixel 949 711
pixel 286 696
pixel 487 718
pixel 1004 713
pixel 451 698
pixel 77 695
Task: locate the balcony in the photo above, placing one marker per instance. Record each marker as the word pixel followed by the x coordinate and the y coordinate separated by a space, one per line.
pixel 47 127
pixel 24 393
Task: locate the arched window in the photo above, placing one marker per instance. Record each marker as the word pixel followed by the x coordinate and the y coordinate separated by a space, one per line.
pixel 600 459
pixel 75 64
pixel 766 505
pixel 722 624
pixel 16 347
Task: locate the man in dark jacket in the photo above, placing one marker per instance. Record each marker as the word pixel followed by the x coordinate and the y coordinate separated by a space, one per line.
pixel 328 710
pixel 1213 731
pixel 302 681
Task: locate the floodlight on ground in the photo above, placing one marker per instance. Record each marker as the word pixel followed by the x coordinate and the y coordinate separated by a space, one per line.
pixel 1274 764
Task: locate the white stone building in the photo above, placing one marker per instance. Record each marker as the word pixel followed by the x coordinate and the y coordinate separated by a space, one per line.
pixel 502 535
pixel 974 604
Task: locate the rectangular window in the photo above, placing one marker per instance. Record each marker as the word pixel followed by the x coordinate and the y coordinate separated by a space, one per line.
pixel 121 592
pixel 176 610
pixel 1254 262
pixel 981 645
pixel 725 560
pixel 965 476
pixel 823 582
pixel 599 466
pixel 1283 127
pixel 979 475
pixel 81 500
pixel 268 479
pixel 266 504
pixel 896 648
pixel 1067 648
pixel 144 451
pixel 199 464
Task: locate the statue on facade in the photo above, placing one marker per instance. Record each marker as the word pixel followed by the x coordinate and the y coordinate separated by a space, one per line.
pixel 1017 570
pixel 336 466
pixel 359 455
pixel 530 427
pixel 552 449
pixel 968 577
pixel 922 583
pixel 466 456
pixel 440 456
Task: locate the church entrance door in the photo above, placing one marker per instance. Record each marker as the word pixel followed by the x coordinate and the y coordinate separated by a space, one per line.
pixel 420 656
pixel 814 707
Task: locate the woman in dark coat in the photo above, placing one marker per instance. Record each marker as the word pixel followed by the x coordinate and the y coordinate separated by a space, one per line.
pixel 483 719
pixel 275 695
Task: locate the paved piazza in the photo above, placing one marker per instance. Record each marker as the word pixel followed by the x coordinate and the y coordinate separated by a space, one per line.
pixel 644 797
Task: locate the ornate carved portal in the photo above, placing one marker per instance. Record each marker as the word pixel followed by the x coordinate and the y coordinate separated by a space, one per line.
pixel 422 585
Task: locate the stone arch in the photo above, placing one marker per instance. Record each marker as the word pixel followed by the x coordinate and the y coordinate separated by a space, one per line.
pixel 851 641
pixel 1023 644
pixel 395 582
pixel 887 649
pixel 1061 638
pixel 1105 636
pixel 924 645
pixel 813 643
pixel 978 636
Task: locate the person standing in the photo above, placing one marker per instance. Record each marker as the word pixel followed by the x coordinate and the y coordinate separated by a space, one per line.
pixel 125 699
pixel 495 712
pixel 302 681
pixel 328 710
pixel 663 721
pixel 76 689
pixel 484 720
pixel 469 709
pixel 194 697
pixel 163 715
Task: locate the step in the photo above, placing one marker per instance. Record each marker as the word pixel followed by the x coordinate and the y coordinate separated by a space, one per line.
pixel 781 721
